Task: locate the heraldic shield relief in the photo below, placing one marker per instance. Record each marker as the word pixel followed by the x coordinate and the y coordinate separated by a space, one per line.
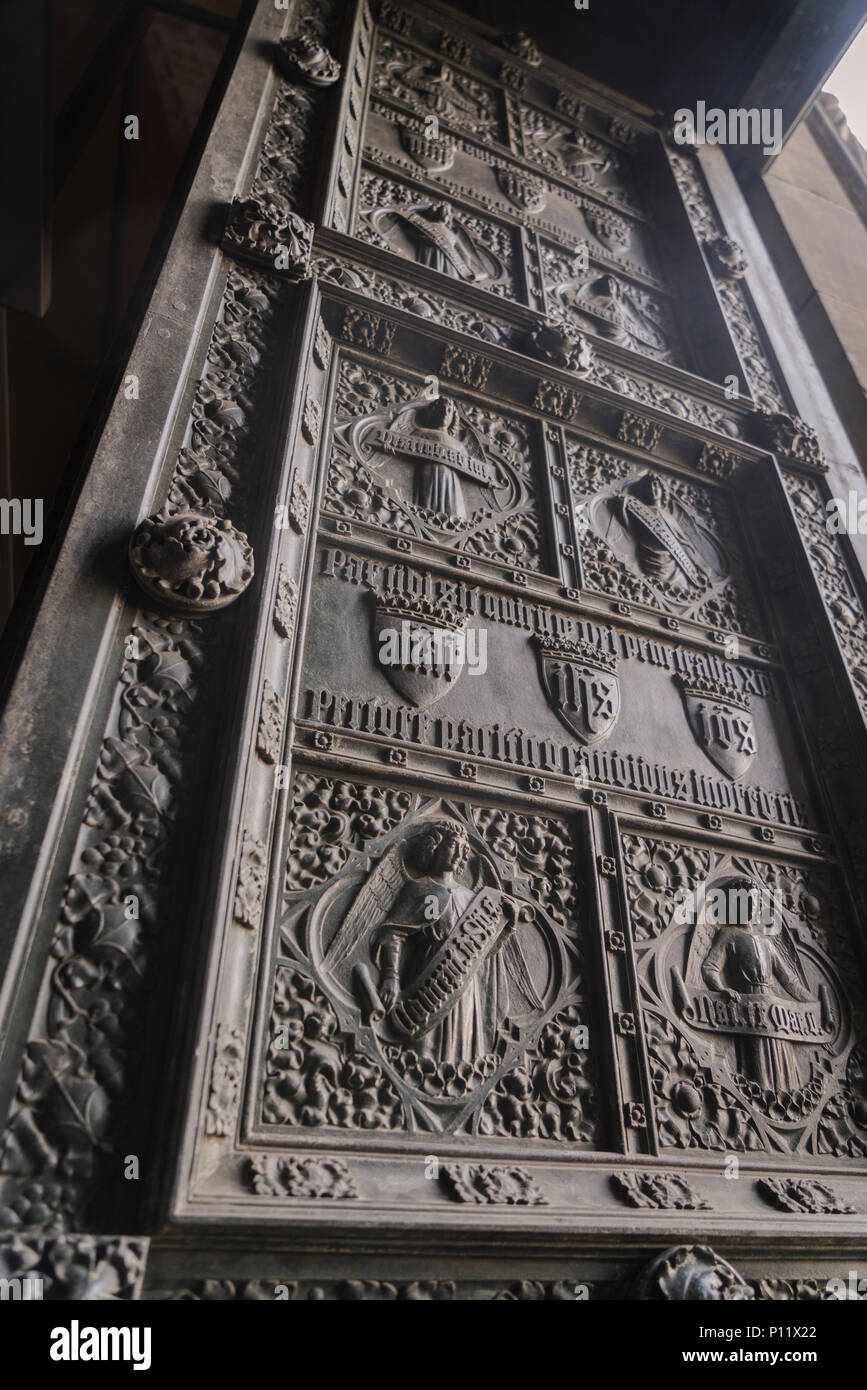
pixel 581 683
pixel 722 723
pixel 434 155
pixel 440 966
pixel 525 192
pixel 419 645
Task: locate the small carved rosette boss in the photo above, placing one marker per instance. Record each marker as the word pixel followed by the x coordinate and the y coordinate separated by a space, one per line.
pixel 192 563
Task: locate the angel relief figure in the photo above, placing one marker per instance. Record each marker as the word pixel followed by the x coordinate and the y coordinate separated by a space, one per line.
pixel 573 152
pixel 669 547
pixel 435 963
pixel 655 534
pixel 432 85
pixel 434 235
pixel 772 1008
pixel 613 309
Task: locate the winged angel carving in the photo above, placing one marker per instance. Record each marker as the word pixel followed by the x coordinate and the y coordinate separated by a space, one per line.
pixel 437 236
pixel 429 84
pixel 650 530
pixel 449 958
pixel 432 953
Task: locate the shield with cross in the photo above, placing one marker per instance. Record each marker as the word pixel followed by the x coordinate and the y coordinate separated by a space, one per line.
pixel 581 682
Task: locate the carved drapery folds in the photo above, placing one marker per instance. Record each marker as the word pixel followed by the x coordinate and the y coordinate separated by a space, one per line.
pixel 617 310
pixel 659 540
pixel 430 231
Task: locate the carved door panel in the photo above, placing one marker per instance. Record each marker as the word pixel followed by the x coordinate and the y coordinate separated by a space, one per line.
pixel 517 684
pixel 537 624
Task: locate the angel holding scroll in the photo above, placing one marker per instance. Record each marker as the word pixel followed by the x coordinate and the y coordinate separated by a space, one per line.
pixel 449 958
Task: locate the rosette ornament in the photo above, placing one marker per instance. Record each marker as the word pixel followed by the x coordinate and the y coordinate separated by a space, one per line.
pixel 305 59
pixel 191 563
pixel 556 342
